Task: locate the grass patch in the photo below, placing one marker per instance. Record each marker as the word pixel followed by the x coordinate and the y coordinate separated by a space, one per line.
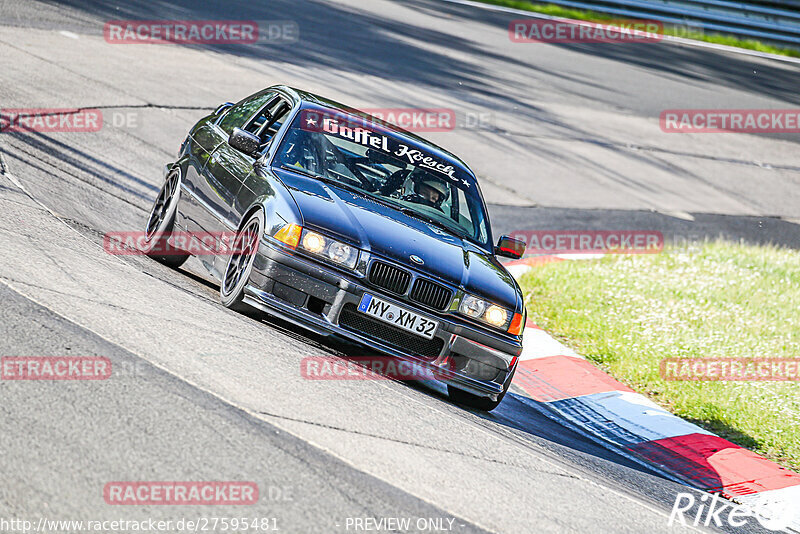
pixel 593 16
pixel 627 313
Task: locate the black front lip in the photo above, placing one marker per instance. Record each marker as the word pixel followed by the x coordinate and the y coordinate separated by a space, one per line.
pixel 273 262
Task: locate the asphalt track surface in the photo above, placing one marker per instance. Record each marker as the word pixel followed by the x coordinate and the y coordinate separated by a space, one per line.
pixel 203 393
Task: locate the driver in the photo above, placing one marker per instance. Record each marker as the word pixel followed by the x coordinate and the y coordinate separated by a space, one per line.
pixel 303 151
pixel 430 191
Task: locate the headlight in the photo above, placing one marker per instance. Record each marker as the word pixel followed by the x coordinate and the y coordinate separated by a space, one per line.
pixel 496 315
pixel 485 311
pixel 330 249
pixel 472 306
pixel 312 242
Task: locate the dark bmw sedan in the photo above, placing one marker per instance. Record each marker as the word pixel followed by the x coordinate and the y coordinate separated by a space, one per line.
pixel 349 226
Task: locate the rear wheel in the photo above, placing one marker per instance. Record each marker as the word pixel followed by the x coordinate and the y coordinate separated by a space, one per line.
pixel 240 264
pixel 161 223
pixel 464 398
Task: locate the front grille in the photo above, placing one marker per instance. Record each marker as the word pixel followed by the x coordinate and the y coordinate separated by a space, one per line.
pixel 430 294
pixel 389 277
pixel 351 319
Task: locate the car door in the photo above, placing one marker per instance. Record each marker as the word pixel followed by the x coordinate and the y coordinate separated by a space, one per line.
pixel 203 141
pixel 219 181
pixel 230 168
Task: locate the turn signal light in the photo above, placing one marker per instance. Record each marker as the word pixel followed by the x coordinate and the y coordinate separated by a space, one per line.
pixel 516 325
pixel 289 235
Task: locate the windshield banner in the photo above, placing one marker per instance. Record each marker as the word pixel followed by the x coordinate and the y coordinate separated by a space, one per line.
pixel 361 130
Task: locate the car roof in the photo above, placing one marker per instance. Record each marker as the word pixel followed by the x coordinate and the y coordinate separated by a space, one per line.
pixel 307 99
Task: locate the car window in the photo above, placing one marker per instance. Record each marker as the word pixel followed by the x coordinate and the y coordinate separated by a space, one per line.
pixel 269 119
pixel 262 116
pixel 239 114
pixel 381 165
pixel 279 113
pixel 465 216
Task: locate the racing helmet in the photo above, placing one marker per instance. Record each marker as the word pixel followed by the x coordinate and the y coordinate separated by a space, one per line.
pixel 433 183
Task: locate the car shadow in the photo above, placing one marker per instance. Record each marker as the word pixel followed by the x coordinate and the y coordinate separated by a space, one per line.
pixel 532 422
pixel 516 413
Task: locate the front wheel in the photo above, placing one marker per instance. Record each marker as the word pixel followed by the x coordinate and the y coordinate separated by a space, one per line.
pixel 240 264
pixel 161 223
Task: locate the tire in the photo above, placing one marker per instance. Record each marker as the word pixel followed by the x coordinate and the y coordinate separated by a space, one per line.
pixel 161 222
pixel 464 398
pixel 240 263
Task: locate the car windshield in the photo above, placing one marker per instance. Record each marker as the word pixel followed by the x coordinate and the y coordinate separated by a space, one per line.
pixel 367 159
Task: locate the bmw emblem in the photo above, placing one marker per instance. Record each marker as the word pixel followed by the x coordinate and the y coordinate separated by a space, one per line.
pixel 416 259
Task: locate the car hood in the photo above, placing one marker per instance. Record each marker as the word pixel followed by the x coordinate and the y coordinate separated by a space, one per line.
pixel 391 234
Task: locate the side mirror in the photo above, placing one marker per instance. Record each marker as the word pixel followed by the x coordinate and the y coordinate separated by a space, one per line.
pixel 509 247
pixel 244 141
pixel 223 107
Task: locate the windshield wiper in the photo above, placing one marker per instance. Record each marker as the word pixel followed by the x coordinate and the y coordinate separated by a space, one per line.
pixel 327 180
pixel 301 170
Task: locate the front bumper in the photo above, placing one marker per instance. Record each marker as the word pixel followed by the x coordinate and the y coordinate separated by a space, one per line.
pixel 321 299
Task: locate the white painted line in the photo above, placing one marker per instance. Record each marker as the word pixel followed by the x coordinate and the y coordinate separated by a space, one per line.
pixel 539 344
pixel 517 271
pixel 666 38
pixel 678 215
pixel 578 256
pixel 71 35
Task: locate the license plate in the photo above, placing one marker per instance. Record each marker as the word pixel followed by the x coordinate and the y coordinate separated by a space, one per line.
pixel 397 316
